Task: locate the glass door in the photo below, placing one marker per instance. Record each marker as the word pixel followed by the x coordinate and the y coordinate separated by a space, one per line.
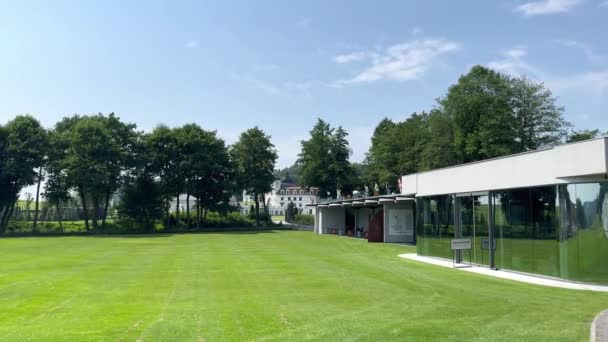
pixel 473 220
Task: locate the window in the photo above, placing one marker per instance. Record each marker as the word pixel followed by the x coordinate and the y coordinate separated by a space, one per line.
pixel 300 198
pixel 300 205
pixel 525 226
pixel 289 198
pixel 282 204
pixel 282 198
pixel 435 225
pixel 301 192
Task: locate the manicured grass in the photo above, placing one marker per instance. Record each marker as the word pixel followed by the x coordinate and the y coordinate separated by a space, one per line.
pixel 275 285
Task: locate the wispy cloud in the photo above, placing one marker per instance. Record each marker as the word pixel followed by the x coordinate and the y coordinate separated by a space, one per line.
pixel 256 83
pixel 273 88
pixel 350 57
pixel 603 4
pixel 513 63
pixel 416 31
pixel 591 55
pixel 594 83
pixel 401 62
pixel 191 44
pixel 545 7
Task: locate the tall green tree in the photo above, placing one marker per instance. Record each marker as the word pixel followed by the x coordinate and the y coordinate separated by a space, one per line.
pixel 23 143
pixel 537 119
pixel 206 168
pixel 254 158
pixel 57 186
pixel 162 144
pixel 480 106
pixel 495 115
pixel 324 160
pixel 98 152
pixel 438 149
pixel 396 150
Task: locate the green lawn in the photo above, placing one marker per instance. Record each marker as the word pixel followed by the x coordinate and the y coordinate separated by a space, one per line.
pixel 279 285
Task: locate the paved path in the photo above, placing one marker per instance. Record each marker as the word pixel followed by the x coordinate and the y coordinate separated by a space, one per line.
pixel 526 278
pixel 599 327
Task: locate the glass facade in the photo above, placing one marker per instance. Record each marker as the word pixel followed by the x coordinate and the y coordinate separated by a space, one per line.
pixel 474 222
pixel 583 215
pixel 435 226
pixel 559 231
pixel 526 229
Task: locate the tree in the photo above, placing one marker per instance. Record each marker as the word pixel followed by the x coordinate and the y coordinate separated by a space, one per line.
pixel 254 158
pixel 537 119
pixel 583 134
pixel 480 107
pixel 495 115
pixel 141 203
pixel 98 153
pixel 324 160
pixel 23 143
pixel 56 187
pixel 438 150
pixel 163 147
pixel 206 168
pixel 396 150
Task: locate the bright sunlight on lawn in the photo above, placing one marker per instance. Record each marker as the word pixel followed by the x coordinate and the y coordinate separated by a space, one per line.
pixel 274 285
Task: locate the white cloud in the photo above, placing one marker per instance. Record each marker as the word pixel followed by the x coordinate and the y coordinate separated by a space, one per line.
pixel 191 44
pixel 513 63
pixel 416 31
pixel 586 49
pixel 603 4
pixel 351 57
pixel 545 7
pixel 273 88
pixel 401 62
pixel 592 82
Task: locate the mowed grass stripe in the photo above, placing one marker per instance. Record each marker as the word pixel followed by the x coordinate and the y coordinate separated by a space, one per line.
pixel 265 286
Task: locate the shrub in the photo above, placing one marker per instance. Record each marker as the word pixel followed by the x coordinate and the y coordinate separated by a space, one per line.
pixel 141 204
pixel 304 219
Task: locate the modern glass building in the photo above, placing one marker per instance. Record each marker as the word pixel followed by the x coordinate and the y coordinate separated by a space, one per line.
pixel 543 212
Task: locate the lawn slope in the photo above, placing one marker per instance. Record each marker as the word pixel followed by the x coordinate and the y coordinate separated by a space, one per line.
pixel 279 285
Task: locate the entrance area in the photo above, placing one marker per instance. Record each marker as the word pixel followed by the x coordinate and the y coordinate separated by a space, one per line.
pixel 473 222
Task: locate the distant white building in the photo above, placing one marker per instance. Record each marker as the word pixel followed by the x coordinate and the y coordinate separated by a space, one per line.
pixel 282 193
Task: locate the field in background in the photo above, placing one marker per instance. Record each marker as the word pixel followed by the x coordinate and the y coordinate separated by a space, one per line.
pixel 273 285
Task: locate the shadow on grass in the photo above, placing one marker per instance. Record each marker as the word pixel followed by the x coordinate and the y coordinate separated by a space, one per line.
pixel 232 231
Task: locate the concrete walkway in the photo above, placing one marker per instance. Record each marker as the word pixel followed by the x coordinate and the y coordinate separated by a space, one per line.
pixel 525 278
pixel 599 327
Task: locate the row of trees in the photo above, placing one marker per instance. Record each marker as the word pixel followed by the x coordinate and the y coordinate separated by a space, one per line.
pixel 95 157
pixel 486 114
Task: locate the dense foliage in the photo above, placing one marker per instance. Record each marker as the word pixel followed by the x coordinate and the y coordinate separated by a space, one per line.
pixel 324 160
pixel 484 115
pixel 255 157
pixel 95 165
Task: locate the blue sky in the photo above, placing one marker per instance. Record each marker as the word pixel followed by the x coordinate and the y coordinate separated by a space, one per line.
pixel 231 65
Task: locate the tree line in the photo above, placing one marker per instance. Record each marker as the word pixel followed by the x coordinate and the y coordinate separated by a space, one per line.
pixel 95 157
pixel 486 114
pixel 89 159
